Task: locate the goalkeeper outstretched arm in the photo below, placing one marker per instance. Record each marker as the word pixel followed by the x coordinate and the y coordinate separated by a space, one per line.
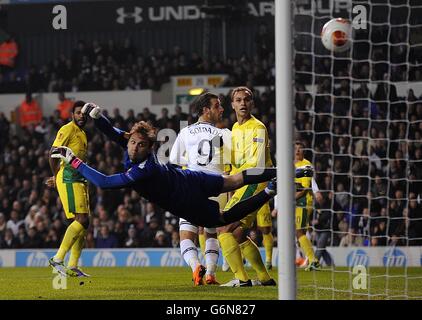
pixel 113 133
pixel 115 181
pixel 138 172
pixel 104 124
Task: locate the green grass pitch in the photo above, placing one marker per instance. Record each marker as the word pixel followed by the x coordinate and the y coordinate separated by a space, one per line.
pixel 174 283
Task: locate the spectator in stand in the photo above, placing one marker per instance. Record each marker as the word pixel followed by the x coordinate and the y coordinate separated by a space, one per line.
pixel 3 225
pixel 175 239
pixel 118 120
pixel 161 240
pixel 31 217
pixel 64 107
pixel 33 240
pixel 9 241
pixel 162 122
pixel 338 144
pixel 105 239
pixel 132 240
pixel 89 241
pixel 414 222
pixel 323 220
pixel 30 113
pixel 8 52
pixel 51 240
pixel 178 117
pixel 14 222
pixel 22 237
pixel 147 236
pixel 148 116
pixel 4 130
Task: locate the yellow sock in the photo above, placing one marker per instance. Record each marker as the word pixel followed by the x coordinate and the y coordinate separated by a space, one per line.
pixel 268 242
pixel 307 248
pixel 70 236
pixel 201 240
pixel 251 252
pixel 76 250
pixel 233 256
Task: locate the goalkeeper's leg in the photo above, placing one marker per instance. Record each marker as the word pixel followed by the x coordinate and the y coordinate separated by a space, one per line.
pixel 245 206
pixel 247 177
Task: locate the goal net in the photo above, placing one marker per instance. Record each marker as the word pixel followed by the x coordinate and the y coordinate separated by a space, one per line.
pixel 359 114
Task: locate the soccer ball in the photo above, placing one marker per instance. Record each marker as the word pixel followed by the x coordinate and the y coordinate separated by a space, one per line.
pixel 336 35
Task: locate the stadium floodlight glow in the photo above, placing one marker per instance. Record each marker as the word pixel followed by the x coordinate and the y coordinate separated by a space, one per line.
pixel 196 91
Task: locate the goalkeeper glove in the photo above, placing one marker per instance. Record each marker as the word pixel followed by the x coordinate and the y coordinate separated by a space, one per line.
pixel 92 109
pixel 67 155
pixel 306 171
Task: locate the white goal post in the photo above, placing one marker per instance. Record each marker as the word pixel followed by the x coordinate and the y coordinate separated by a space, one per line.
pixel 284 153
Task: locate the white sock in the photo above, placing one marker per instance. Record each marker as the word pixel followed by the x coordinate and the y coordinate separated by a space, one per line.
pixel 57 260
pixel 189 253
pixel 211 255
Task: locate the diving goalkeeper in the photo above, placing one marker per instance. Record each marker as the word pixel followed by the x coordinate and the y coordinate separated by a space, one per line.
pixel 184 193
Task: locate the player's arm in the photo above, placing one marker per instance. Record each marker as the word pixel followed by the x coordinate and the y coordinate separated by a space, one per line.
pixel 115 181
pixel 62 138
pixel 316 192
pixel 55 167
pixel 178 151
pixel 300 191
pixel 104 125
pixel 303 182
pixel 54 164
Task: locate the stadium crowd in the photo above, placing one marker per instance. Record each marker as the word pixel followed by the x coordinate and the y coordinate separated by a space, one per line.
pixel 31 213
pixel 369 167
pixel 381 155
pixel 365 145
pixel 110 66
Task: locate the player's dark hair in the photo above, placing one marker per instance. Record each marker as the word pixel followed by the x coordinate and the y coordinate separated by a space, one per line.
pixel 146 130
pixel 203 101
pixel 78 103
pixel 238 89
pixel 300 143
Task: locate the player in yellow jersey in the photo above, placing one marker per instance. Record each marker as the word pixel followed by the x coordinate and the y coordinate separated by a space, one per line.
pixel 304 204
pixel 73 191
pixel 250 148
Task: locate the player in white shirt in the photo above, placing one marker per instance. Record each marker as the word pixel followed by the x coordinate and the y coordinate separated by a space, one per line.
pixel 203 147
